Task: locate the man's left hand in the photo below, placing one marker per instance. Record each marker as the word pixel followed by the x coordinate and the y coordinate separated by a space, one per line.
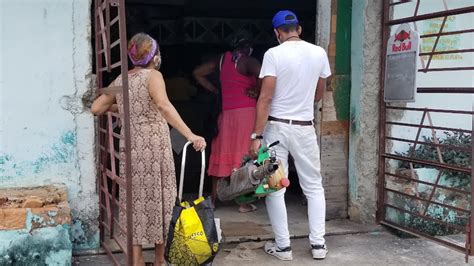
pixel 254 146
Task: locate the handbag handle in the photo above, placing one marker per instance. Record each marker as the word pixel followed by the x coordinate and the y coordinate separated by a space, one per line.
pixel 181 176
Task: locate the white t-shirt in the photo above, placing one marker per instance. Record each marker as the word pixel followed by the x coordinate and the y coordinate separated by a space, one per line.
pixel 297 66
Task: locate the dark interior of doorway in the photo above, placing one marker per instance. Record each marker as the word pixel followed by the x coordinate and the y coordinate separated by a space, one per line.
pixel 189 31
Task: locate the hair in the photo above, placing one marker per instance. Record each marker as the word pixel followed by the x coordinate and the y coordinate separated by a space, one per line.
pixel 140 46
pixel 241 40
pixel 289 27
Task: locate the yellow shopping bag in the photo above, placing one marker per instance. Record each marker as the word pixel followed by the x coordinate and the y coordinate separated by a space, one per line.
pixel 192 238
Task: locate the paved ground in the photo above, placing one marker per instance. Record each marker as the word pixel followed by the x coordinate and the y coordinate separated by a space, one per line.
pixel 348 242
pixel 377 248
pixel 240 227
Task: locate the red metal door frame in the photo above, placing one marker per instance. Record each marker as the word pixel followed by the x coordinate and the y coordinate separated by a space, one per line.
pixel 383 191
pixel 385 135
pixel 110 35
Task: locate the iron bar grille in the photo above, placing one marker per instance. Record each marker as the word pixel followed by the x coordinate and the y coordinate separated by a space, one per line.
pixel 407 201
pixel 113 133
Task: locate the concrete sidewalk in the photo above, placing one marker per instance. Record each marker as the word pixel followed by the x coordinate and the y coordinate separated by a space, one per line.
pixel 254 226
pixel 348 242
pixel 377 248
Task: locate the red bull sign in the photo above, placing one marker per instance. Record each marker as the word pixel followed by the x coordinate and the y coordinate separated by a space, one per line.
pixel 400 44
pixel 404 40
pixel 401 65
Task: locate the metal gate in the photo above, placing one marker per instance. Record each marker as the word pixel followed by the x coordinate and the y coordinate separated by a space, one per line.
pixel 414 199
pixel 114 182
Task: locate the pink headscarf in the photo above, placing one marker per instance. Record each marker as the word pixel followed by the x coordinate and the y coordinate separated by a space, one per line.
pixel 145 60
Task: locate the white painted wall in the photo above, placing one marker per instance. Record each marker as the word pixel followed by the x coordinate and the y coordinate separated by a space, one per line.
pixel 46 134
pixel 323 23
pixel 440 79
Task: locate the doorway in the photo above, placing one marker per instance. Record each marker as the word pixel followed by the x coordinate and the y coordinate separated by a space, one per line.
pixel 188 33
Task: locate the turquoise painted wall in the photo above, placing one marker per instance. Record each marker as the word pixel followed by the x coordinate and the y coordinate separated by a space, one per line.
pixel 42 246
pixel 46 134
pixel 357 73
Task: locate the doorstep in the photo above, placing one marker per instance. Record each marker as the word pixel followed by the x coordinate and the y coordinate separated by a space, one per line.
pixel 255 226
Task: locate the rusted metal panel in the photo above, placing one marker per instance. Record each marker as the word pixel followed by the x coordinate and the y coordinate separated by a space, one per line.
pixel 426 162
pixel 110 17
pixel 427 126
pixel 428 183
pixel 470 229
pixel 464 90
pixel 381 195
pixel 457 11
pixel 389 183
pixel 457 32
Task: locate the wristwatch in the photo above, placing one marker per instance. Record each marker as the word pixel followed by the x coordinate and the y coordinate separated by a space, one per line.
pixel 255 136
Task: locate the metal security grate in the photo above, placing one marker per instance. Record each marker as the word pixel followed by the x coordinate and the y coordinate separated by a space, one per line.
pixel 416 215
pixel 114 180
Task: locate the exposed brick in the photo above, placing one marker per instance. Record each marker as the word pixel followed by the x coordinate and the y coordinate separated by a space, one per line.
pixel 12 219
pixel 33 202
pixel 47 204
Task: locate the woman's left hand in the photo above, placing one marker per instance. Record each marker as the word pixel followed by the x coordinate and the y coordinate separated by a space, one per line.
pixel 199 143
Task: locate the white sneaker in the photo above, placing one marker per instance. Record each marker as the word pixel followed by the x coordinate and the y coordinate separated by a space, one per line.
pixel 283 254
pixel 319 251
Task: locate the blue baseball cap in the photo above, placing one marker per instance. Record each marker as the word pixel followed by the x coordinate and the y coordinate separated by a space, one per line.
pixel 280 19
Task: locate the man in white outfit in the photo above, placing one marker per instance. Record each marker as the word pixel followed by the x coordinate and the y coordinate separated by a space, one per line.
pixel 293 74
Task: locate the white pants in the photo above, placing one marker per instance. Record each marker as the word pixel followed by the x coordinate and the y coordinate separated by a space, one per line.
pixel 302 144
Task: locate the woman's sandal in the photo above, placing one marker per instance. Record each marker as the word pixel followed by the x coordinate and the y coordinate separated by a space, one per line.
pixel 246 209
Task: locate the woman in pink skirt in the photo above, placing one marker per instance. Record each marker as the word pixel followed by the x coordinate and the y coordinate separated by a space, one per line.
pixel 239 89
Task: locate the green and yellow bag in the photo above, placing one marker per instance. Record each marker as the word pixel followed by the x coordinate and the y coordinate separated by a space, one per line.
pixel 193 237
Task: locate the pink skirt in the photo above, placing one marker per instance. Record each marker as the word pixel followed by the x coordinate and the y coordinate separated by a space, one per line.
pixel 232 142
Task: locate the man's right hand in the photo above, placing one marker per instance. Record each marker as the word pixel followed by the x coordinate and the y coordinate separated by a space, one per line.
pixel 254 146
